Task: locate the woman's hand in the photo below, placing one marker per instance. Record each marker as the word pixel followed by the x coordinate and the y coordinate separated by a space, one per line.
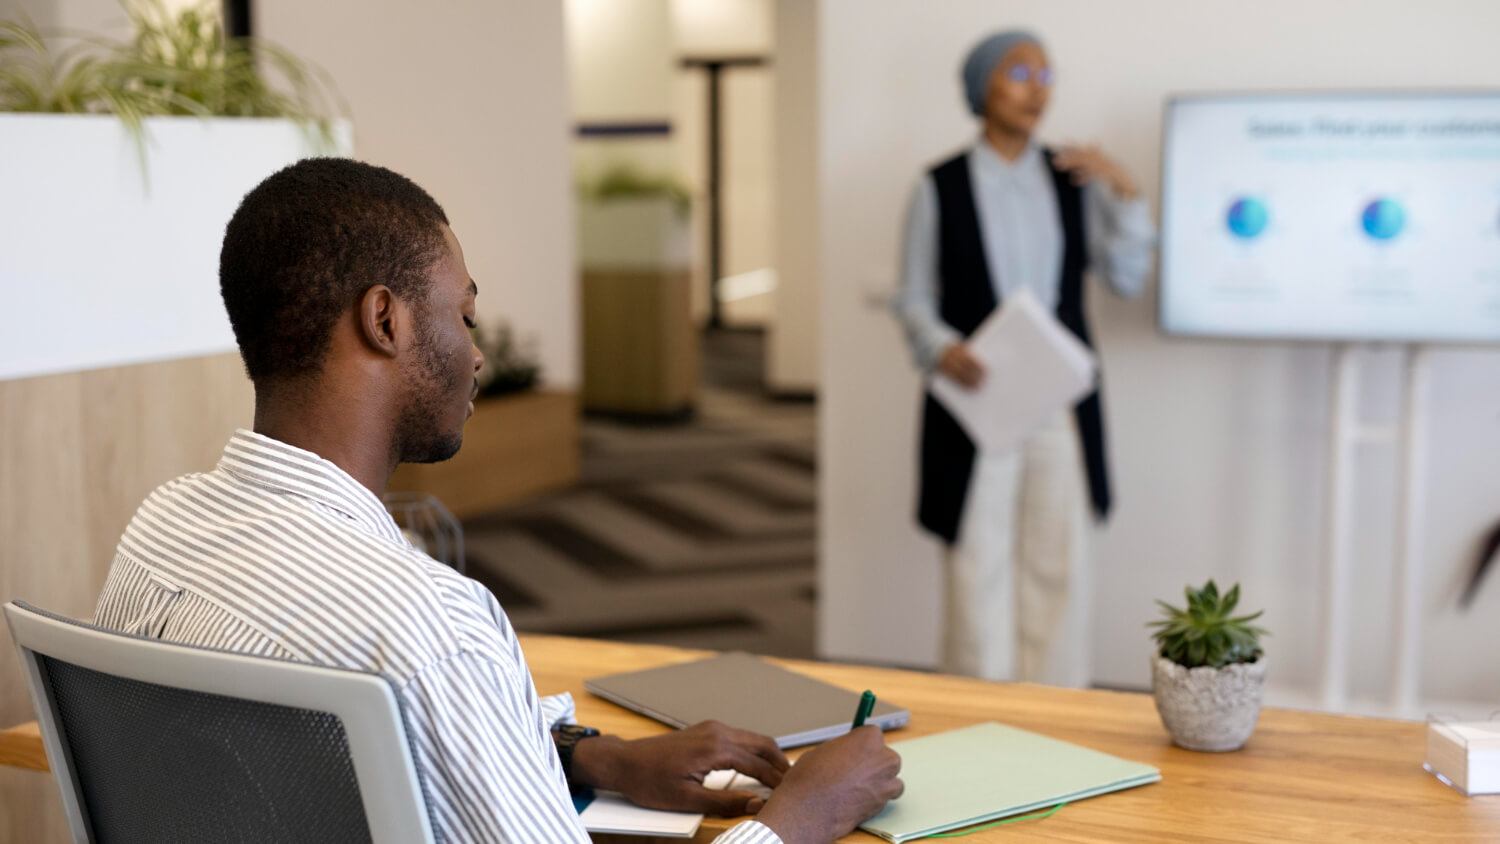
pixel 957 363
pixel 1087 163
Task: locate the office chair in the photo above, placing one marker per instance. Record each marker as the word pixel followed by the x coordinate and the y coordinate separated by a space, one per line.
pixel 153 741
pixel 429 526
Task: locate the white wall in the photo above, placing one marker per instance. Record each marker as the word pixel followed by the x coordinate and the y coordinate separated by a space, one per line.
pixel 133 274
pixel 98 17
pixel 1218 447
pixel 722 27
pixel 792 339
pixel 728 28
pixel 625 62
pixel 471 102
pixel 620 59
pixel 621 63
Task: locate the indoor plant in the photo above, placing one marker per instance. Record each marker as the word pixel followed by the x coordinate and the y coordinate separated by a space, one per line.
pixel 1209 671
pixel 640 340
pixel 509 366
pixel 175 63
pixel 143 145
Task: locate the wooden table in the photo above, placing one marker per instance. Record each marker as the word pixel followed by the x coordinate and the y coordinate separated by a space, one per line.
pixel 1302 777
pixel 22 747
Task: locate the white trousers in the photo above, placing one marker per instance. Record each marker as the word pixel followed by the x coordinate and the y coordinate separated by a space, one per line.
pixel 1017 582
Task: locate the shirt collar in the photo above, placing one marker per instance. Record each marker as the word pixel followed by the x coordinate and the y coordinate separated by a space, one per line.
pixel 987 162
pixel 273 464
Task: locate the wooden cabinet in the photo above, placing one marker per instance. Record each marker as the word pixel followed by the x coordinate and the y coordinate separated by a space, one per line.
pixel 640 346
pixel 640 353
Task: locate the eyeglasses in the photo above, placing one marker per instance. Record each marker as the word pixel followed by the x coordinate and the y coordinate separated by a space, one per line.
pixel 1026 73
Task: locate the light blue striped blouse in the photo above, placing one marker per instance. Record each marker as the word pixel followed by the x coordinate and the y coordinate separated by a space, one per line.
pixel 1023 242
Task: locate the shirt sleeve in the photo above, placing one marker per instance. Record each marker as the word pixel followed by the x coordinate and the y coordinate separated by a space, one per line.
pixel 1122 238
pixel 491 769
pixel 749 832
pixel 916 301
pixel 558 710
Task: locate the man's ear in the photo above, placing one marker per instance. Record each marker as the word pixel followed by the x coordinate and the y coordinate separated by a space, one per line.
pixel 381 320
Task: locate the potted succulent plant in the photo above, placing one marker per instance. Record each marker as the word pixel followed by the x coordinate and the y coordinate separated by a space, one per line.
pixel 1208 672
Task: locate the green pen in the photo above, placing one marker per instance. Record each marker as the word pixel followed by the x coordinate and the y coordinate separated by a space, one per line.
pixel 866 706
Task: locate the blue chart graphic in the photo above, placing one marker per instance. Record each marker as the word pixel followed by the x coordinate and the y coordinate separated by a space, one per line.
pixel 1383 218
pixel 1248 217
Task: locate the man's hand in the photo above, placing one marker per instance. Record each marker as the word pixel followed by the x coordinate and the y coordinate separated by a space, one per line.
pixel 957 363
pixel 667 771
pixel 1087 163
pixel 833 788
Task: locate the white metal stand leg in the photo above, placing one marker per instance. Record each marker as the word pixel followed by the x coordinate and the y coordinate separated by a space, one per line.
pixel 1343 431
pixel 1405 671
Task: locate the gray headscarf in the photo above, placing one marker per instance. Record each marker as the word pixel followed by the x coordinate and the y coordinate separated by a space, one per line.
pixel 981 62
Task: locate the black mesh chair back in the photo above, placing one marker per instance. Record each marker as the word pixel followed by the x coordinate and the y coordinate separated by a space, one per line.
pixel 142 760
pixel 154 763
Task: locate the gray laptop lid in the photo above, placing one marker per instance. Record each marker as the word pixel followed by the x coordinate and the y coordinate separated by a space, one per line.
pixel 743 691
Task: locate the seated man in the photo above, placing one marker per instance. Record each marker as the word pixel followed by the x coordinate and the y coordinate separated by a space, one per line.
pixel 352 306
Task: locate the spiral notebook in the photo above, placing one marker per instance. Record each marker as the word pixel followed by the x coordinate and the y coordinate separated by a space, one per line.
pixel 990 771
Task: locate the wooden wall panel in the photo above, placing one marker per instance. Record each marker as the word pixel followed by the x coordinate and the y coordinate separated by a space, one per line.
pixel 78 453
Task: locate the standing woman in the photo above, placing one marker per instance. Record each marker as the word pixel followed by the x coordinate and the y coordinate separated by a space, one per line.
pixel 1003 216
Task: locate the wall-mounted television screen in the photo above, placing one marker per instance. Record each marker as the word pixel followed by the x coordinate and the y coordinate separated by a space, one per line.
pixel 1371 216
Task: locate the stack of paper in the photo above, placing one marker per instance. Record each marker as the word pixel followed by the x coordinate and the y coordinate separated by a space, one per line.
pixel 991 771
pixel 1465 755
pixel 610 813
pixel 736 781
pixel 1034 367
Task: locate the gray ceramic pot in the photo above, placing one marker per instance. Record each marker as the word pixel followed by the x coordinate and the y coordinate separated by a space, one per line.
pixel 1212 709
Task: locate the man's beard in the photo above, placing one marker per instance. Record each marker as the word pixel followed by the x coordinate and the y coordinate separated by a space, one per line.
pixel 420 437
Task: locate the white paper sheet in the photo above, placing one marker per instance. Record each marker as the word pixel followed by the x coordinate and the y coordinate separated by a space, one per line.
pixel 736 781
pixel 1034 367
pixel 613 814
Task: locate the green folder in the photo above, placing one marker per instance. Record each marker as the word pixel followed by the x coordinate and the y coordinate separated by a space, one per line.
pixel 991 771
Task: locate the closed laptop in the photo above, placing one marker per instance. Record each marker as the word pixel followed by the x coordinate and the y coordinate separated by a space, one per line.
pixel 743 691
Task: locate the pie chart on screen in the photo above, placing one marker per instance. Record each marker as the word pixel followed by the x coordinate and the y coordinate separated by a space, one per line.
pixel 1383 218
pixel 1248 217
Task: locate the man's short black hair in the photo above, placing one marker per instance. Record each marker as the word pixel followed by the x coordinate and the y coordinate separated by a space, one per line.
pixel 305 245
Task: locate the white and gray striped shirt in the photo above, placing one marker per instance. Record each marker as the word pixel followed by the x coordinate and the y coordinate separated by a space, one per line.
pixel 280 553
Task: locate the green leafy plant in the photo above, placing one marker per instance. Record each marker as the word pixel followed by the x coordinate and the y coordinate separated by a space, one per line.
pixel 36 76
pixel 182 64
pixel 1205 633
pixel 626 181
pixel 186 64
pixel 509 366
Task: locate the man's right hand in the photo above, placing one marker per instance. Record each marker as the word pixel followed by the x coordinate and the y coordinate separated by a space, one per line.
pixel 834 788
pixel 957 363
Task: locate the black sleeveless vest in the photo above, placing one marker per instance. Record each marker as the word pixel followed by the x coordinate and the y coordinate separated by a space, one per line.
pixel 966 297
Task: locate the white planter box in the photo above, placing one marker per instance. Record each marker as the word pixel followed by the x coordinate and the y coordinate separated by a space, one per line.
pixel 644 233
pixel 104 265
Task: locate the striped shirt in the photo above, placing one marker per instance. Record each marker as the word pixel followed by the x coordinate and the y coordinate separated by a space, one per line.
pixel 280 553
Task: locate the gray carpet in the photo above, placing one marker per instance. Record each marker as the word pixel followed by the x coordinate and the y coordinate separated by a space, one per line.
pixel 700 533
